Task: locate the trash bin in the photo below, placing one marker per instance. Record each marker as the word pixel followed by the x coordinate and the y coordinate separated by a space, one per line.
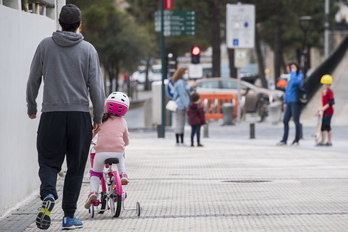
pixel 228 110
pixel 275 112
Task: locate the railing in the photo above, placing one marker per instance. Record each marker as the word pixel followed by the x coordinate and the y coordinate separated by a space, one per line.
pixel 312 82
pixel 41 7
pixel 212 104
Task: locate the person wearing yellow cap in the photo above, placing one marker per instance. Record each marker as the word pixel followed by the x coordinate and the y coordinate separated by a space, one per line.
pixel 328 101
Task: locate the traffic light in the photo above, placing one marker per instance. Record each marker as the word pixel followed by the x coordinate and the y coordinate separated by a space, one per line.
pixel 195 55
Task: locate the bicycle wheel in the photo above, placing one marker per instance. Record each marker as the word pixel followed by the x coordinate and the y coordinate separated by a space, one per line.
pixel 115 190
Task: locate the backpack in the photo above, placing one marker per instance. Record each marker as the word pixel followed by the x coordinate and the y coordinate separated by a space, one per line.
pixel 302 96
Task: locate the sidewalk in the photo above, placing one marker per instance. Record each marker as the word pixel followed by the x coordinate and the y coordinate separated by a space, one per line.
pixel 233 183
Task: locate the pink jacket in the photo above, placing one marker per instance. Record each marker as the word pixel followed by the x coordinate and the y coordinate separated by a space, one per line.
pixel 113 136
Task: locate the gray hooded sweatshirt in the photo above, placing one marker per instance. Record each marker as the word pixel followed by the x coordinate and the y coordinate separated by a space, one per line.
pixel 70 70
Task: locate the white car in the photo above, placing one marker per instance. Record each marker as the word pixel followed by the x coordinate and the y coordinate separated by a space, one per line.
pixel 155 74
pixel 251 92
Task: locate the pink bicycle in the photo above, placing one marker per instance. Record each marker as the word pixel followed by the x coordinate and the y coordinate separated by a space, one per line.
pixel 112 195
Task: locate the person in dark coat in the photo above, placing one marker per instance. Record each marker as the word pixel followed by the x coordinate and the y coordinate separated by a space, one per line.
pixel 196 118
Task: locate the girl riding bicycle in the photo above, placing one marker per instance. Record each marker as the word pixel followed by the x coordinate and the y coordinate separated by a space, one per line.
pixel 112 140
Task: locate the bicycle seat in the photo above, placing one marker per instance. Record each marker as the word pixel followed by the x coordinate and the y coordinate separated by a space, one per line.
pixel 111 161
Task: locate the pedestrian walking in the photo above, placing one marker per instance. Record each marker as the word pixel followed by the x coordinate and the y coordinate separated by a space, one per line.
pixel 328 100
pixel 292 108
pixel 196 118
pixel 70 70
pixel 181 97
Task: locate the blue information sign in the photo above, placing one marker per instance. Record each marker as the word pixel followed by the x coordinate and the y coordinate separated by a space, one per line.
pixel 235 42
pixel 170 89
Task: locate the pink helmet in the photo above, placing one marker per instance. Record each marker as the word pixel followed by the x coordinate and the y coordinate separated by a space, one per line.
pixel 117 103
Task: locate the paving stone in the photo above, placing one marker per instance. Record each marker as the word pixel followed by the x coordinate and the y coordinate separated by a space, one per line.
pixel 232 184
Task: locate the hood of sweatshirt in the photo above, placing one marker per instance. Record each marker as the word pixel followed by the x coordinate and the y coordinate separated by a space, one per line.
pixel 193 106
pixel 67 38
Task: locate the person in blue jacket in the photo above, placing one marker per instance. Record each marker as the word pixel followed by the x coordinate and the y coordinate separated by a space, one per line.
pixel 292 108
pixel 182 98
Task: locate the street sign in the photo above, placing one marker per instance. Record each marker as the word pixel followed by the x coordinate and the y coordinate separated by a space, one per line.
pixel 170 89
pixel 240 57
pixel 240 25
pixel 176 22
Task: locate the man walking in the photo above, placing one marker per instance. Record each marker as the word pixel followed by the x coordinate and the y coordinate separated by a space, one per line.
pixel 70 70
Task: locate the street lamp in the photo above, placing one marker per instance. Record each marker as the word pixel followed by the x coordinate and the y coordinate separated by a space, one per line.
pixel 304 22
pixel 326 40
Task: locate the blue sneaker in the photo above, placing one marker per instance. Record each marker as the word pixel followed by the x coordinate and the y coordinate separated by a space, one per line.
pixel 43 219
pixel 71 223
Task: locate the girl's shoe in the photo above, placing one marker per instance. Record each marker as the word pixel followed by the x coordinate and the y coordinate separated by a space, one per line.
pixel 92 196
pixel 329 144
pixel 124 179
pixel 200 145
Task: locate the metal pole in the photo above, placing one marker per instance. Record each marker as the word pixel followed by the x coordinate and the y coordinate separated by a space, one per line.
pixel 239 97
pixel 326 39
pixel 305 51
pixel 163 122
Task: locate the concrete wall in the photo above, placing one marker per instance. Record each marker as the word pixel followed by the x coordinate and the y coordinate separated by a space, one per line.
pixel 21 32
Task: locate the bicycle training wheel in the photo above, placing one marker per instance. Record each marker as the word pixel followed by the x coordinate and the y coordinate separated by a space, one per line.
pixel 138 208
pixel 115 199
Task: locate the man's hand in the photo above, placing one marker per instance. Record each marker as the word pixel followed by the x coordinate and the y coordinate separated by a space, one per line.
pixel 96 128
pixel 32 116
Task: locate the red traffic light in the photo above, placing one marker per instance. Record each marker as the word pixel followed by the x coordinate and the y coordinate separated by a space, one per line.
pixel 196 50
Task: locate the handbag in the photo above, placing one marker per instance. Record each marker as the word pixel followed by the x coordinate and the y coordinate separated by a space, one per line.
pixel 172 105
pixel 302 96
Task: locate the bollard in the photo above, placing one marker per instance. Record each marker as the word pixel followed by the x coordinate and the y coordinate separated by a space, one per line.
pixel 252 130
pixel 159 129
pixel 206 131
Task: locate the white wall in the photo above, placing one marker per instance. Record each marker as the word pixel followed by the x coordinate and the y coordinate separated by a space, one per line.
pixel 20 33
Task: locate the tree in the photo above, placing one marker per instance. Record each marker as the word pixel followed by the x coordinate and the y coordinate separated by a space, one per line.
pixel 276 20
pixel 278 25
pixel 120 42
pixel 145 11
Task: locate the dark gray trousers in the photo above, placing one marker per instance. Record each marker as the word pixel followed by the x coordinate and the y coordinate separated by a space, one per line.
pixel 60 135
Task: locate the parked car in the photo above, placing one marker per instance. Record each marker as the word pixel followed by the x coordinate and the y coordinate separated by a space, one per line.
pixel 255 97
pixel 154 74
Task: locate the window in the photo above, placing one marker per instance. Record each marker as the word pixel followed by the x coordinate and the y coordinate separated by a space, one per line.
pixel 229 85
pixel 208 84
